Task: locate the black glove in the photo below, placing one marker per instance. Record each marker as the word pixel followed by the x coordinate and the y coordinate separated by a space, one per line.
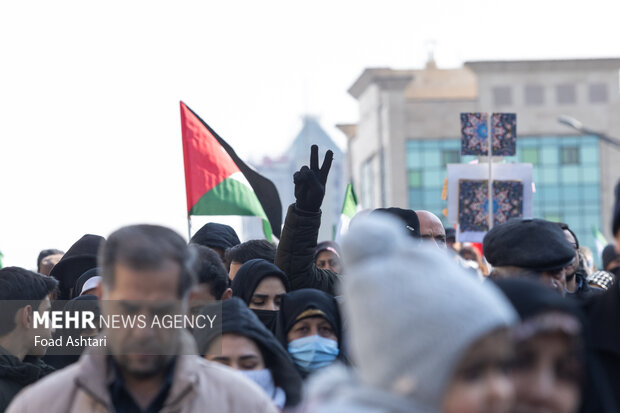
pixel 310 182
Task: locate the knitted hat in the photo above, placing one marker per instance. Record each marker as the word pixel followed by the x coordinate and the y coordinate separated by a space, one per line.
pixel 412 311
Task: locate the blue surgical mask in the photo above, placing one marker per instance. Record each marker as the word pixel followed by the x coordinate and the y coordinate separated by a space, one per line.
pixel 313 352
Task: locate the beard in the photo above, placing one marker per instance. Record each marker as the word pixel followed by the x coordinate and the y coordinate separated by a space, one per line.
pixel 142 366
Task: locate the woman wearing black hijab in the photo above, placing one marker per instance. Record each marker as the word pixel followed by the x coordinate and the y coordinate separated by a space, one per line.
pixel 309 326
pixel 246 345
pixel 261 285
pixel 549 369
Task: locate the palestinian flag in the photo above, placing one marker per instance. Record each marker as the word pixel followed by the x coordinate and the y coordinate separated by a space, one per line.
pixel 218 182
pixel 599 240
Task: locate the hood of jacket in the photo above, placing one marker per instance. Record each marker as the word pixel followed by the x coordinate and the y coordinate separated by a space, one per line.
pixel 81 257
pixel 239 319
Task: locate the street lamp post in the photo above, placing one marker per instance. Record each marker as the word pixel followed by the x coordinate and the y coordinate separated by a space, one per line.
pixel 580 127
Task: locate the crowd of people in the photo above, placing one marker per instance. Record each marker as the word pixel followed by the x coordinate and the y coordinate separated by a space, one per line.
pixel 399 318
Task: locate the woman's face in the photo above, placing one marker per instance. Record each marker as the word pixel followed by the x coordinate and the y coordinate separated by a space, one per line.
pixel 238 352
pixel 312 326
pixel 481 383
pixel 268 294
pixel 547 375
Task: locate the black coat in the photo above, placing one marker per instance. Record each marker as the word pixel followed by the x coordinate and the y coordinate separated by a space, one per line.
pixel 295 253
pixel 16 374
pixel 602 393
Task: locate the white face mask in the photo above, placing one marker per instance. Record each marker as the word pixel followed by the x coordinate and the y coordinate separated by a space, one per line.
pixel 264 379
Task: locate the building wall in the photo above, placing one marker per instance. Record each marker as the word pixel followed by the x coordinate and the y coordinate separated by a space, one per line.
pixel 540 92
pixel 541 118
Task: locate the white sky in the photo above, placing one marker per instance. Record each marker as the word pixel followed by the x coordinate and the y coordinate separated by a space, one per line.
pixel 90 135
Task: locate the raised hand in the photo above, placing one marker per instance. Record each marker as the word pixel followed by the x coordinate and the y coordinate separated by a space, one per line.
pixel 310 182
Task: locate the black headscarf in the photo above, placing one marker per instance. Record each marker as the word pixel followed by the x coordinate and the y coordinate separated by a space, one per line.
pixel 296 302
pixel 530 298
pixel 239 319
pixel 247 279
pixel 214 235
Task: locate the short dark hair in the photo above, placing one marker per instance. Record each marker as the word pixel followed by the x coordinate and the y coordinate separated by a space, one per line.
pixel 246 251
pixel 19 288
pixel 565 227
pixel 47 253
pixel 210 270
pixel 143 247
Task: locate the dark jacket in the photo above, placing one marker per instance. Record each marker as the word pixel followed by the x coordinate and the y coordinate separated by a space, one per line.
pixel 16 374
pixel 603 391
pixel 295 253
pixel 583 291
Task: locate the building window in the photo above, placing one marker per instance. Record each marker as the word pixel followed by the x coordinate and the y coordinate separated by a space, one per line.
pixel 566 94
pixel 415 178
pixel 569 155
pixel 597 93
pixel 502 96
pixel 450 156
pixel 530 155
pixel 534 95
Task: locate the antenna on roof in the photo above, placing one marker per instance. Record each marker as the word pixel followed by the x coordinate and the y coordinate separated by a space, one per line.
pixel 431 45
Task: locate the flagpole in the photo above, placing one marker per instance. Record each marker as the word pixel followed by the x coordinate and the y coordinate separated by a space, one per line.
pixel 189 228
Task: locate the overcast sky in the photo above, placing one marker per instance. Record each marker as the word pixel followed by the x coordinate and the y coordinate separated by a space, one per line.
pixel 90 135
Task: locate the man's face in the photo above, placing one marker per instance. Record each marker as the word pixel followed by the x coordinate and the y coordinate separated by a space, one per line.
pixel 234 267
pixel 431 228
pixel 556 280
pixel 48 263
pixel 148 293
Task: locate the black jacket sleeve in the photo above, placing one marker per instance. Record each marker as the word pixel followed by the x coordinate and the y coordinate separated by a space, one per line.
pixel 295 252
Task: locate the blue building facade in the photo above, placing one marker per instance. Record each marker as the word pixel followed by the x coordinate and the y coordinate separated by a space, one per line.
pixel 566 176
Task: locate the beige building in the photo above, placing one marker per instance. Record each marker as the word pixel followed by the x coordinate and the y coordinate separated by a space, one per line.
pixel 409 129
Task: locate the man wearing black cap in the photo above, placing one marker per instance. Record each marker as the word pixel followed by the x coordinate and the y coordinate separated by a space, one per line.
pixel 529 247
